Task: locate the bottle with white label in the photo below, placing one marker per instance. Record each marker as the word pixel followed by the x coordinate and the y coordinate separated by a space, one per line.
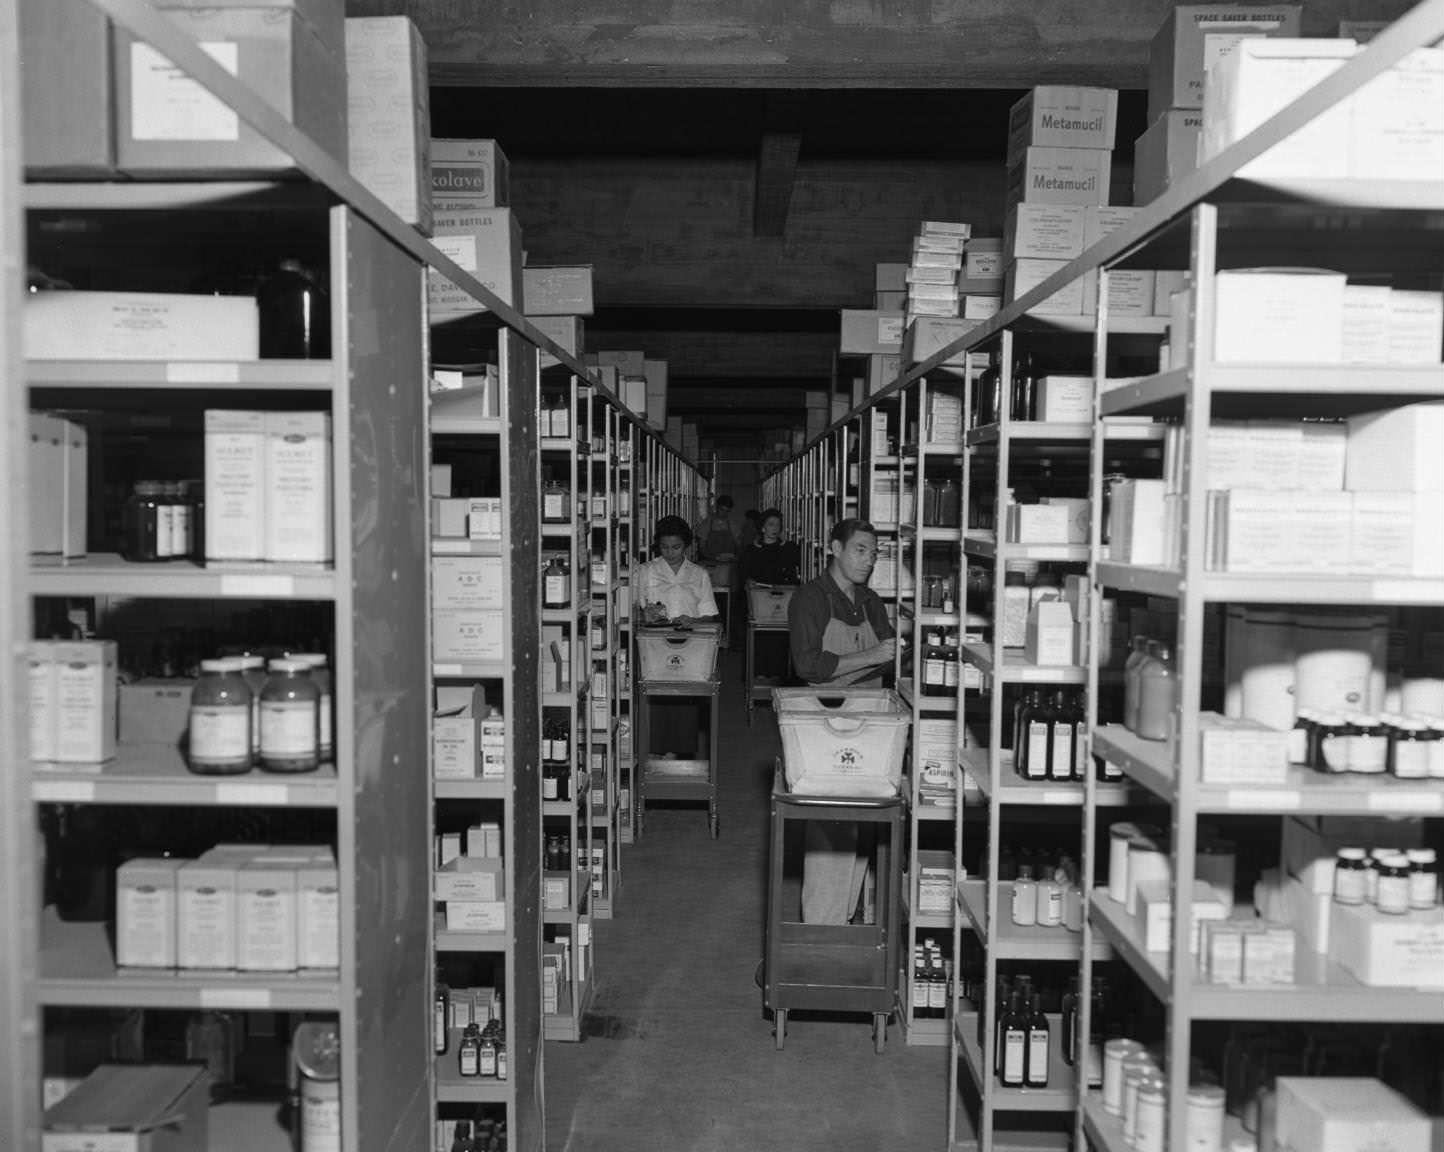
pixel 321 674
pixel 1013 1045
pixel 289 706
pixel 555 590
pixel 1025 897
pixel 1037 1069
pixel 218 736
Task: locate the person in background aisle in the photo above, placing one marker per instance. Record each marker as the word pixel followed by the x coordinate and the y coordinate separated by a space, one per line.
pixel 750 530
pixel 772 561
pixel 673 590
pixel 717 534
pixel 841 638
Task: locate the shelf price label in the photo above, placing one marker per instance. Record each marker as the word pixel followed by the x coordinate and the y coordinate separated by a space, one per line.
pixel 63 791
pixel 1264 799
pixel 1392 800
pixel 252 795
pixel 244 999
pixel 202 372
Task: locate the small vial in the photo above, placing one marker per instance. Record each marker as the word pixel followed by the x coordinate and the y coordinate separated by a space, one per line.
pixel 1393 894
pixel 1025 897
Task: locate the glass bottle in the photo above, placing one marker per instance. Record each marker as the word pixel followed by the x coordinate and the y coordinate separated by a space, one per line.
pixel 1157 694
pixel 289 705
pixel 468 1052
pixel 1035 724
pixel 142 523
pixel 555 590
pixel 218 736
pixel 561 417
pixel 321 674
pixel 441 1019
pixel 1423 878
pixel 937 990
pixel 1393 891
pixel 1130 682
pixel 919 1003
pixel 294 314
pixel 554 501
pixel 1037 1069
pixel 952 663
pixel 253 670
pixel 486 1056
pixel 934 674
pixel 1025 897
pixel 1013 1033
pixel 1061 742
pixel 1023 388
pixel 1351 884
pixel 1068 1039
pixel 948 498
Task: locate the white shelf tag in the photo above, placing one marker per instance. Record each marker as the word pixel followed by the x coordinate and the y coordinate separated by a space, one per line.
pixel 63 791
pixel 247 999
pixel 446 670
pixel 1408 591
pixel 203 372
pixel 1269 799
pixel 1057 796
pixel 259 795
pixel 1391 800
pixel 248 586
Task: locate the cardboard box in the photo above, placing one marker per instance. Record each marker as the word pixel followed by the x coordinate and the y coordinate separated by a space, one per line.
pixel 471 878
pixel 84 701
pixel 388 115
pixel 1385 951
pixel 292 55
pixel 558 291
pixel 930 334
pixel 982 263
pixel 468 636
pixel 1397 121
pixel 1260 78
pixel 892 301
pixel 476 916
pixel 891 277
pixel 1049 637
pixel 981 307
pixel 266 916
pixel 1137 524
pixel 1268 954
pixel 298 488
pixel 1396 450
pixel 1236 750
pixel 655 374
pixel 145 913
pixel 1065 399
pixel 1062 116
pixel 318 914
pixel 1346 1114
pixel 66 85
pixel 567 331
pixel 1130 292
pixel 466 583
pixel 132 1108
pixel 1044 231
pixel 1155 915
pixel 1416 327
pixel 1060 176
pixel 140 326
pixel 449 518
pixel 868 333
pixel 206 913
pixel 58 487
pixel 1396 533
pixel 485 242
pixel 882 370
pixel 1279 317
pixel 1195 35
pixel 469 174
pixel 1025 275
pixel 1038 524
pixel 155 711
pixel 1166 152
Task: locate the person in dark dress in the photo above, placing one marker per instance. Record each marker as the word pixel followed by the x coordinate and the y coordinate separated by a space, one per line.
pixel 771 561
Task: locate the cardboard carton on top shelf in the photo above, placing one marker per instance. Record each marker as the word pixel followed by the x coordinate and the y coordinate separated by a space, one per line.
pixel 59 466
pixel 1103 220
pixel 486 243
pixel 1060 176
pixel 866 333
pixel 1166 152
pixel 569 332
pixel 65 76
pixel 982 263
pixel 1397 121
pixel 557 291
pixel 628 363
pixel 1025 275
pixel 1044 231
pixel 929 334
pixel 1347 1113
pixel 655 374
pixel 1266 317
pixel 633 391
pixel 1130 292
pixel 167 124
pixel 388 115
pixel 890 301
pixel 1062 116
pixel 1396 450
pixel 882 369
pixel 469 174
pixel 1360 31
pixel 1194 35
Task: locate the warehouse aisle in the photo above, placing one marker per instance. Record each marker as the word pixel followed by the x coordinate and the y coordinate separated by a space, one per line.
pixel 678 1055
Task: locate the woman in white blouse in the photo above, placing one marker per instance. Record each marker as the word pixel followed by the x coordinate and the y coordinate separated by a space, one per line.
pixel 671 589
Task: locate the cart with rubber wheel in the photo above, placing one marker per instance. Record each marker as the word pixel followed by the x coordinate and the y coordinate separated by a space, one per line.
pixel 843 968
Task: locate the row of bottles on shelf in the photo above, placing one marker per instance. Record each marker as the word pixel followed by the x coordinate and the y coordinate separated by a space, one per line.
pixel 164 520
pixel 987 406
pixel 554 417
pixel 556 582
pixel 1022 1049
pixel 932 981
pixel 1048 894
pixel 248 712
pixel 1150 689
pixel 480 1135
pixel 1050 730
pixel 557 852
pixel 941 669
pixel 556 758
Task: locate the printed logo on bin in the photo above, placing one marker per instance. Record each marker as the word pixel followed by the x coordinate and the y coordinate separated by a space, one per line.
pixel 675 661
pixel 847 760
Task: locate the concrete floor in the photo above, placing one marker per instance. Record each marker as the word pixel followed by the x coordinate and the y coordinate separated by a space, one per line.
pixel 677 1054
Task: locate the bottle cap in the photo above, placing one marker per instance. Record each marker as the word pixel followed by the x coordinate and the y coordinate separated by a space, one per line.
pixel 217 665
pixel 281 664
pixel 1421 855
pixel 1351 854
pixel 310 659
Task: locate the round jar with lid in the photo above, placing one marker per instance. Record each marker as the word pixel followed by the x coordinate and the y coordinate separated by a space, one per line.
pixel 1334 736
pixel 1351 876
pixel 1423 878
pixel 1136 1070
pixel 218 736
pixel 1393 894
pixel 1203 1126
pixel 1150 1128
pixel 1115 1054
pixel 1409 742
pixel 141 518
pixel 321 674
pixel 289 704
pixel 1369 748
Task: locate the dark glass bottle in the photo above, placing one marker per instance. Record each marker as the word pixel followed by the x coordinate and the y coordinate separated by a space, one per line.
pixel 1023 388
pixel 1060 738
pixel 295 314
pixel 1033 725
pixel 1037 1070
pixel 1013 1030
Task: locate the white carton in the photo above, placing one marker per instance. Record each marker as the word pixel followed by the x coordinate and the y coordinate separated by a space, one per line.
pixel 977 307
pixel 466 583
pixel 1060 176
pixel 930 334
pixel 1044 231
pixel 266 920
pixel 59 468
pixel 1025 275
pixel 1195 36
pixel 1396 121
pixel 471 878
pixel 298 488
pixel 1387 951
pixel 145 913
pixel 1266 317
pixel 1062 116
pixel 318 913
pixel 1155 914
pixel 235 450
pixel 1136 533
pixel 84 701
pixel 1130 292
pixel 476 915
pixel 43 684
pixel 1049 636
pixel 140 326
pixel 1065 399
pixel 1166 152
pixel 469 174
pixel 463 636
pixel 1397 533
pixel 1346 1114
pixel 1416 327
pixel 866 333
pixel 388 118
pixel 1366 324
pixel 1260 78
pixel 206 913
pixel 1397 450
pixel 983 260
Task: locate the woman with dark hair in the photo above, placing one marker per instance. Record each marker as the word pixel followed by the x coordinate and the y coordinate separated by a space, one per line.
pixel 770 559
pixel 671 589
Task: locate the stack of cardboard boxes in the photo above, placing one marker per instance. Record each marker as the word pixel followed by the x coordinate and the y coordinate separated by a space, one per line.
pixel 470 188
pixel 639 382
pixel 556 300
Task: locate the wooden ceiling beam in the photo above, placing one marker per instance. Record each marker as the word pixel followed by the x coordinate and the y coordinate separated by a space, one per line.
pixel 776 175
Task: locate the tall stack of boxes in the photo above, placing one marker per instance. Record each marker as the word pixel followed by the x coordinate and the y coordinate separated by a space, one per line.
pixel 556 300
pixel 388 152
pixel 1193 37
pixel 1060 142
pixel 470 188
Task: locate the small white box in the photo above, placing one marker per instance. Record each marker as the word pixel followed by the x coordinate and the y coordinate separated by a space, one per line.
pixel 1236 750
pixel 471 878
pixel 140 326
pixel 1397 450
pixel 976 307
pixel 145 913
pixel 1062 116
pixel 1279 317
pixel 206 912
pixel 983 259
pixel 1268 954
pixel 1049 637
pixel 455 747
pixel 84 711
pixel 1397 121
pixel 298 488
pixel 1137 524
pixel 1387 951
pixel 866 332
pixel 557 291
pixel 235 451
pixel 1060 176
pixel 1155 914
pixel 1366 324
pixel 930 334
pixel 1346 1114
pixel 476 916
pixel 465 636
pixel 1195 35
pixel 318 914
pixel 466 583
pixel 1044 231
pixel 1065 399
pixel 266 916
pixel 1416 327
pixel 1130 292
pixel 449 518
pixel 1038 524
pixel 440 481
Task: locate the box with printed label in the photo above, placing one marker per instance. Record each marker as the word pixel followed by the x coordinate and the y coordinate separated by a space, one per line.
pixel 567 331
pixel 132 1108
pixel 1397 121
pixel 1166 152
pixel 1267 317
pixel 930 334
pixel 866 332
pixel 140 326
pixel 982 261
pixel 485 242
pixel 235 451
pixel 1065 399
pixel 1062 116
pixel 471 878
pixel 1346 1114
pixel 882 370
pixel 388 115
pixel 65 78
pixel 936 878
pixel 206 912
pixel 1044 231
pixel 1385 951
pixel 1194 36
pixel 1049 636
pixel 455 747
pixel 1060 176
pixel 1416 327
pixel 145 913
pixel 318 913
pixel 466 583
pixel 1025 275
pixel 154 711
pixel 557 291
pixel 266 922
pixel 293 55
pixel 469 174
pixel 1396 533
pixel 85 701
pixel 298 487
pixel 476 915
pixel 463 636
pixel 977 307
pixel 1038 524
pixel 1396 450
pixel 1130 292
pixel 1236 750
pixel 59 470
